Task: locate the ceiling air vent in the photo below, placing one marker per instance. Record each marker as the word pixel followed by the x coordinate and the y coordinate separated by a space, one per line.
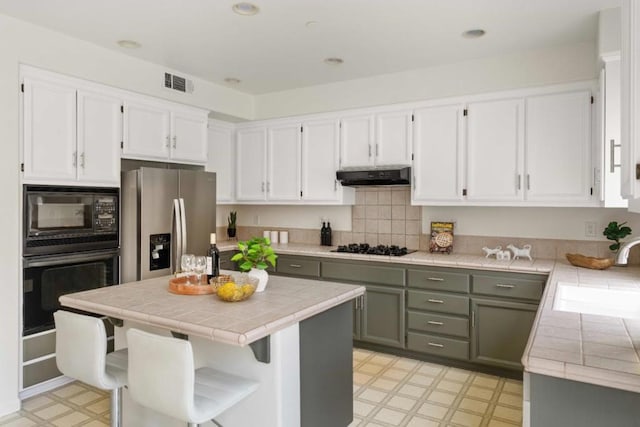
pixel 178 83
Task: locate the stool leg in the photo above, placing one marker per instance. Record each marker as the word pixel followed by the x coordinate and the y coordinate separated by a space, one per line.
pixel 116 407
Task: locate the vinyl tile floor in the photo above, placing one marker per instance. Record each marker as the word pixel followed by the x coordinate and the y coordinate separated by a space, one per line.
pixel 388 391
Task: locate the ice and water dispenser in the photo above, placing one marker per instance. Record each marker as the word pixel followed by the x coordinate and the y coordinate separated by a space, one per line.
pixel 159 251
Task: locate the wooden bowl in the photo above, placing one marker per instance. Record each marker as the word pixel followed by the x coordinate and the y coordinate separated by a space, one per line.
pixel 179 285
pixel 589 262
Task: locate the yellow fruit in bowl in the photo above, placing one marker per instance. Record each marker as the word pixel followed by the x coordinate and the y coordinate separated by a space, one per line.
pixel 248 290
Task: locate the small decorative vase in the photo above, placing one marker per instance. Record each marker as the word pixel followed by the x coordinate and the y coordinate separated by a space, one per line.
pixel 231 232
pixel 262 276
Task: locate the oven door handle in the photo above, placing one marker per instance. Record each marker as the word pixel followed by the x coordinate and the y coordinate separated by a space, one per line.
pixel 66 259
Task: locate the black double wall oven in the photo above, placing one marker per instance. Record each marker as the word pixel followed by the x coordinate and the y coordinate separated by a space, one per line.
pixel 70 244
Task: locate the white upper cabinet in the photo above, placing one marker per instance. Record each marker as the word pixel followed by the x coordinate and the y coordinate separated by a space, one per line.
pixel 71 136
pixel 146 132
pixel 251 164
pixel 155 130
pixel 220 159
pixel 49 114
pixel 283 162
pixel 357 141
pixel 558 148
pixel 438 160
pixel 320 145
pixel 393 138
pixel 495 143
pixel 99 136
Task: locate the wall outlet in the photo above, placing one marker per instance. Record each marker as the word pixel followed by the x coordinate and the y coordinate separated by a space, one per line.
pixel 590 229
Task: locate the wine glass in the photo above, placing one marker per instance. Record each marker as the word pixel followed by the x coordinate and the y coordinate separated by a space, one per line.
pixel 187 263
pixel 200 266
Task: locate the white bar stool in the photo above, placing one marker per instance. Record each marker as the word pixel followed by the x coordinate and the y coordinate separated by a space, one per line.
pixel 162 377
pixel 81 353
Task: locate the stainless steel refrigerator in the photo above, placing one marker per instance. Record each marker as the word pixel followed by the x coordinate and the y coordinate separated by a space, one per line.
pixel 165 213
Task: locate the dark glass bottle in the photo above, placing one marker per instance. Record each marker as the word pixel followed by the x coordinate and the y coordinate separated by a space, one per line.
pixel 213 259
pixel 323 234
pixel 328 235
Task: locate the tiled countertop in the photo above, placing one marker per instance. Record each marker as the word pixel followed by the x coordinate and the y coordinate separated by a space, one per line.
pixel 594 349
pixel 285 301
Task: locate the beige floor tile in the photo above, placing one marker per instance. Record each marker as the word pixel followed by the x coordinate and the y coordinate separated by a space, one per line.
pixel 390 416
pixel 498 423
pixel 396 374
pixel 372 395
pixel 19 422
pixel 86 397
pixel 384 384
pixel 361 379
pixel 362 409
pixel 509 414
pixel 429 369
pixel 98 423
pixel 422 422
pixel 99 407
pixel 370 368
pixel 458 375
pixel 382 359
pixel 69 390
pixel 449 386
pixel 373 425
pixel 514 387
pixel 433 411
pixel 473 405
pixel 52 411
pixel 403 403
pixel 70 420
pixel 422 380
pixel 510 399
pixel 466 419
pixel 441 397
pixel 480 393
pixel 412 390
pixel 485 381
pixel 406 364
pixel 36 402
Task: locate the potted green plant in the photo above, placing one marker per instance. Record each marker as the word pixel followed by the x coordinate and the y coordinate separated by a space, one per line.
pixel 231 228
pixel 616 232
pixel 255 256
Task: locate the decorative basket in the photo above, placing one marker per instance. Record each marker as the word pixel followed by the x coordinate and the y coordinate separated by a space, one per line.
pixel 589 262
pixel 179 285
pixel 239 288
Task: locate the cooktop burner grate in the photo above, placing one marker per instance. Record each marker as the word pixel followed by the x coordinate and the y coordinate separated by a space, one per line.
pixel 365 248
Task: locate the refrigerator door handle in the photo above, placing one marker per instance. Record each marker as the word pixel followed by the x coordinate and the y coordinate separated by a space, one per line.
pixel 183 224
pixel 177 223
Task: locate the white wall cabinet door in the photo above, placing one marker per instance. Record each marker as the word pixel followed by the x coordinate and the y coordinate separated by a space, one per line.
pixel 320 145
pixel 188 136
pixel 220 159
pixel 146 131
pixel 99 136
pixel 283 163
pixel 558 148
pixel 393 138
pixel 49 131
pixel 251 153
pixel 357 141
pixel 438 158
pixel 495 138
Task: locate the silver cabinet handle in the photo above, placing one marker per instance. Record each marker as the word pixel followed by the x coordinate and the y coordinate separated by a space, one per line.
pixel 414 182
pixel 175 138
pixel 612 149
pixel 295 265
pixel 435 279
pixel 500 285
pixel 369 150
pixel 82 160
pixel 357 299
pixel 335 185
pixel 528 182
pixel 377 151
pixel 74 158
pixel 268 186
pixel 518 179
pixel 435 301
pixel 167 141
pixel 434 344
pixel 262 187
pixel 433 322
pixel 473 319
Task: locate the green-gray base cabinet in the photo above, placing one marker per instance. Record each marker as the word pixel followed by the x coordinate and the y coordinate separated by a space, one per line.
pixel 557 402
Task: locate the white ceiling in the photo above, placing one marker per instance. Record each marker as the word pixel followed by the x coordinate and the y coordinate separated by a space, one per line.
pixel 274 50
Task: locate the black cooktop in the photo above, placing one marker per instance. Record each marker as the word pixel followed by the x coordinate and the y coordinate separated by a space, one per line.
pixel 365 248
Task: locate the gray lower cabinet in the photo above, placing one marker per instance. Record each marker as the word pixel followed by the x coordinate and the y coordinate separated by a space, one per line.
pixel 382 316
pixel 298 266
pixel 500 330
pixel 225 261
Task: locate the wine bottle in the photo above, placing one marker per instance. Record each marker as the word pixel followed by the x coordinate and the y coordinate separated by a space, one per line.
pixel 213 258
pixel 323 234
pixel 328 235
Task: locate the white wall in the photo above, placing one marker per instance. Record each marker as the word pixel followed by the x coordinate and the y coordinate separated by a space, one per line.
pixel 288 216
pixel 529 68
pixel 22 43
pixel 544 223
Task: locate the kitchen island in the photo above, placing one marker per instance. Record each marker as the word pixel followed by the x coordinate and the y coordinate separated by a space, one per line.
pixel 294 338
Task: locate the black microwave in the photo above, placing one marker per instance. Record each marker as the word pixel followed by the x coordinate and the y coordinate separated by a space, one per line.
pixel 69 219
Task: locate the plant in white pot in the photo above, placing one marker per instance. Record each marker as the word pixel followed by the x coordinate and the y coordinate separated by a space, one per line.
pixel 253 257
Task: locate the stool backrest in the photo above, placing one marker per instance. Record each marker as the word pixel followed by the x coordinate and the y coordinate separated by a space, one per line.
pixel 81 347
pixel 161 373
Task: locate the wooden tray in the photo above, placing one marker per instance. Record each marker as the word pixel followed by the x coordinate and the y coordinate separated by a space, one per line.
pixel 178 285
pixel 590 262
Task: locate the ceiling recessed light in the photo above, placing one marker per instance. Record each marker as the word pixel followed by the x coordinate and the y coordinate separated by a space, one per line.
pixel 129 44
pixel 473 34
pixel 232 80
pixel 333 61
pixel 246 9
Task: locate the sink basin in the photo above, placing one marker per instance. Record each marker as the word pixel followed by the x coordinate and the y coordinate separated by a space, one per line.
pixel 601 301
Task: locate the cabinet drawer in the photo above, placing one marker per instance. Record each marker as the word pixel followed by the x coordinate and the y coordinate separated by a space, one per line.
pixel 363 273
pixel 439 346
pixel 298 266
pixel 41 371
pixel 440 302
pixel 509 287
pixel 34 347
pixel 438 280
pixel 438 323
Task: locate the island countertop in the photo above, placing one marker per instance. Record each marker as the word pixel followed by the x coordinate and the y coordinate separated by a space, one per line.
pixel 286 301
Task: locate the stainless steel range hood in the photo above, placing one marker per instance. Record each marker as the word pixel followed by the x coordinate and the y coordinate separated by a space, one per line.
pixel 394 175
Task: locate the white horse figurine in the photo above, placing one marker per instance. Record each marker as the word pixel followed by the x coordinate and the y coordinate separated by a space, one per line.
pixel 489 251
pixel 524 252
